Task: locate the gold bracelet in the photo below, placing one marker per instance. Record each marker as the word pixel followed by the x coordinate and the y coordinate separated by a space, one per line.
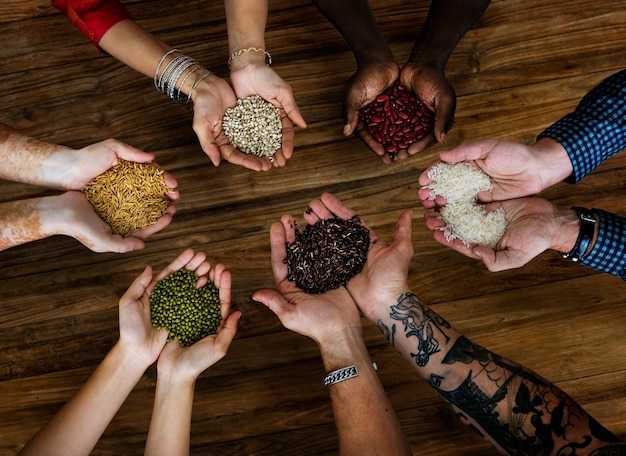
pixel 268 57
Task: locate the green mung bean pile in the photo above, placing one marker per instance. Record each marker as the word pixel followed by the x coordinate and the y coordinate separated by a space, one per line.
pixel 186 312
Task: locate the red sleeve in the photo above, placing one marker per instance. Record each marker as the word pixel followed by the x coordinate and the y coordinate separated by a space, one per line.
pixel 92 17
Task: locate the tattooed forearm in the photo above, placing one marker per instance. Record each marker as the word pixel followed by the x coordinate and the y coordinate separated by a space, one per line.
pixel 420 323
pixel 519 410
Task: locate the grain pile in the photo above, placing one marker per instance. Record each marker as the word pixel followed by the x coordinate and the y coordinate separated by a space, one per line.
pixel 327 255
pixel 254 127
pixel 465 218
pixel 128 197
pixel 397 118
pixel 186 312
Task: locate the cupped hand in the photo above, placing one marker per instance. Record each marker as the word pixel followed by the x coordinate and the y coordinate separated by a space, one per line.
pixel 385 274
pixel 534 225
pixel 137 335
pixel 259 79
pixel 514 169
pixel 370 80
pixel 212 97
pixel 95 159
pixel 322 317
pixel 431 86
pixel 76 217
pixel 187 363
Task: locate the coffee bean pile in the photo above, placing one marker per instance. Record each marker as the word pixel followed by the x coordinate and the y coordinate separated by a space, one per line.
pixel 397 118
pixel 254 127
pixel 186 312
pixel 327 255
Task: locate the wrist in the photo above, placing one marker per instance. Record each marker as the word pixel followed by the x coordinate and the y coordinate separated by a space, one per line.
pixel 344 349
pixel 553 162
pixel 129 359
pixel 581 234
pixel 376 307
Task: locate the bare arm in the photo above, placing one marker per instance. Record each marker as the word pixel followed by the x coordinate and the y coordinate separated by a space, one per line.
pixel 365 419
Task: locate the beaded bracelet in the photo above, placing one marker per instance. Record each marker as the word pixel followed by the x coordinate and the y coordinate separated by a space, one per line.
pixel 268 57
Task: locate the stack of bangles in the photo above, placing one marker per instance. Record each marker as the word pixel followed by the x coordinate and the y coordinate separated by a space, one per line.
pixel 173 71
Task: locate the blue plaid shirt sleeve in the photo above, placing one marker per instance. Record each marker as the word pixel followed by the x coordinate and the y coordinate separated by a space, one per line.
pixel 609 253
pixel 596 130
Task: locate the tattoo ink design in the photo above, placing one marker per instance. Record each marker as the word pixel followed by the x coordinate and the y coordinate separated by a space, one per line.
pixel 389 333
pixel 420 322
pixel 517 409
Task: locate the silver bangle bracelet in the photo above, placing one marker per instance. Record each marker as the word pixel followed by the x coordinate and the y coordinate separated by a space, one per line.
pixel 340 375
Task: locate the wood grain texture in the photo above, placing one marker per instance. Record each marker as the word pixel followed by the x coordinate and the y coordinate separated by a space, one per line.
pixel 520 68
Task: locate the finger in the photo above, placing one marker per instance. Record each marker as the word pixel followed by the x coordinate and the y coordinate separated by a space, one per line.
pixel 319 210
pixel 404 227
pixel 422 144
pixel 425 178
pixel 138 287
pixel 374 145
pixel 454 244
pixel 444 118
pixel 351 118
pixel 475 150
pixel 278 159
pixel 116 243
pixel 278 254
pixel 207 139
pixel 434 221
pixel 202 270
pixel 172 185
pixel 195 262
pixel 335 206
pixel 288 104
pixel 232 155
pixel 274 301
pixel 226 334
pixel 289 226
pixel 157 226
pixel 224 286
pixel 129 153
pixel 288 134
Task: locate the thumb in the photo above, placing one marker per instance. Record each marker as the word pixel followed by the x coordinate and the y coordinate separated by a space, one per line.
pixel 227 333
pixel 273 300
pixel 139 285
pixel 404 228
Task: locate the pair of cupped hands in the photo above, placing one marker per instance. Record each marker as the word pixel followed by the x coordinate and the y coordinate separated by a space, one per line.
pixel 517 172
pixel 327 318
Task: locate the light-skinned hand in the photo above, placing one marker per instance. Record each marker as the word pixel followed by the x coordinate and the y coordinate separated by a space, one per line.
pixel 516 170
pixel 384 276
pixel 534 226
pixel 74 216
pixel 254 78
pixel 187 363
pixel 322 317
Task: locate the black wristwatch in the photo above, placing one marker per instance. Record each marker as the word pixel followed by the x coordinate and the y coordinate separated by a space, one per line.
pixel 585 235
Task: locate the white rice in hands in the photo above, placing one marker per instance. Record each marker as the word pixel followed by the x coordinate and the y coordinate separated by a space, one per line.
pixel 464 217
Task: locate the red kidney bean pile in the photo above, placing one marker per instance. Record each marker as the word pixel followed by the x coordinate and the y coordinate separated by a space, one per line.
pixel 397 118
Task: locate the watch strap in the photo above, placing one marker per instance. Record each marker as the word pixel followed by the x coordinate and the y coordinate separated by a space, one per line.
pixel 585 235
